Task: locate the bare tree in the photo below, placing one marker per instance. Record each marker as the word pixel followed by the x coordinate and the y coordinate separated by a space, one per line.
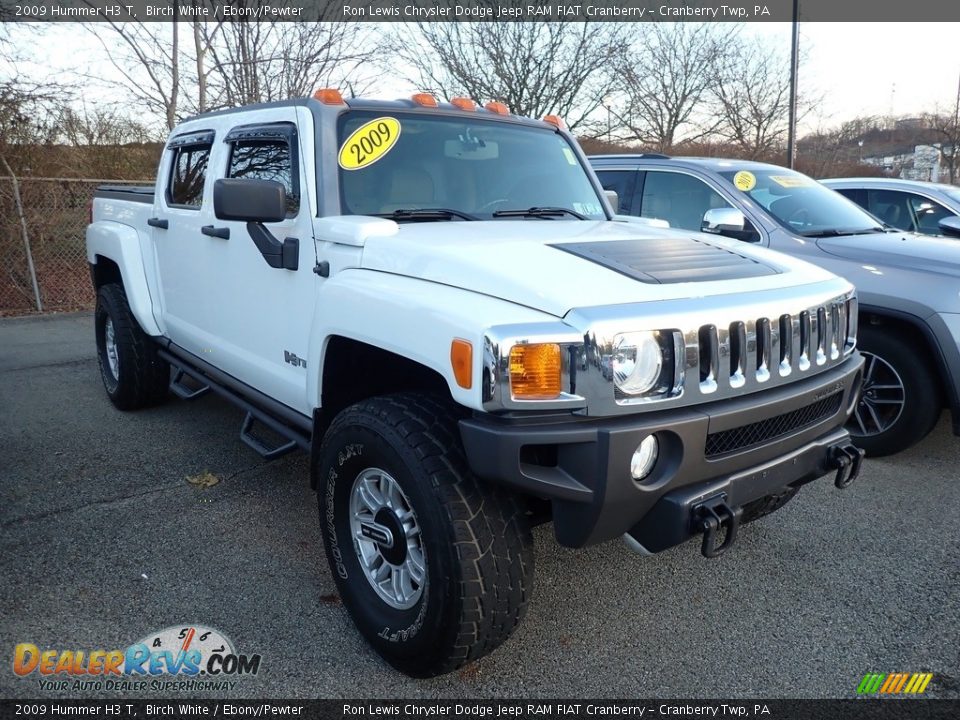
pixel 535 68
pixel 751 90
pixel 666 75
pixel 946 124
pixel 270 60
pixel 147 57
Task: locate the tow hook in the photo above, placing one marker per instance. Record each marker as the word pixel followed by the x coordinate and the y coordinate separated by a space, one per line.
pixel 846 459
pixel 708 517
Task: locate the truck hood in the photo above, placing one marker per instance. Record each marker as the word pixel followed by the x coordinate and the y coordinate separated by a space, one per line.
pixel 906 251
pixel 597 262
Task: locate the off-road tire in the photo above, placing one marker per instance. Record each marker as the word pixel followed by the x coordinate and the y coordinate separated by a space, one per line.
pixel 921 402
pixel 476 538
pixel 142 378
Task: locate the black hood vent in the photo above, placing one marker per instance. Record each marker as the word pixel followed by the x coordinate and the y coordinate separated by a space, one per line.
pixel 669 260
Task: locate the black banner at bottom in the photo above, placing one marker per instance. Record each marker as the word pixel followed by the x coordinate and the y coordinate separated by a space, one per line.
pixel 112 709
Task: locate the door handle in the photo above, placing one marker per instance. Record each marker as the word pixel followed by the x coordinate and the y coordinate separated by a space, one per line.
pixel 223 233
pixel 158 223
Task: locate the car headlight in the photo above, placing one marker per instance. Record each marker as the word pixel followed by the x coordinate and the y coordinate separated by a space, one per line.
pixel 637 362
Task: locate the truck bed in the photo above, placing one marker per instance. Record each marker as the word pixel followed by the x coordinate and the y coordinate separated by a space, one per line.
pixel 132 193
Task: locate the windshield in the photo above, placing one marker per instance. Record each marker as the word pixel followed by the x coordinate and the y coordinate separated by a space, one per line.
pixel 460 168
pixel 801 204
pixel 952 193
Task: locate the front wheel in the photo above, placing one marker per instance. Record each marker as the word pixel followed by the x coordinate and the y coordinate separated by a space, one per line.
pixel 898 403
pixel 434 566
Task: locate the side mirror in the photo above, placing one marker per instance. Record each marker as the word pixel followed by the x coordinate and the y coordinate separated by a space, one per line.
pixel 723 220
pixel 249 200
pixel 729 222
pixel 613 199
pixel 257 202
pixel 950 226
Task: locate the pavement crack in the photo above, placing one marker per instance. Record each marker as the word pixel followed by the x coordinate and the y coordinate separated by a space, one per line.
pixel 95 503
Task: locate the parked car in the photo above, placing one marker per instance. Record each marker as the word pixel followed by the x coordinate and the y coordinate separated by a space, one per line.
pixel 907 283
pixel 922 207
pixel 425 296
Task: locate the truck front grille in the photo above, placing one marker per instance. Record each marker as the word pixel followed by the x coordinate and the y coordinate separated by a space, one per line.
pixel 748 353
pixel 764 431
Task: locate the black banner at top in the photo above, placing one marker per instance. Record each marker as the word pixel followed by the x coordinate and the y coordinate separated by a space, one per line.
pixel 483 709
pixel 364 11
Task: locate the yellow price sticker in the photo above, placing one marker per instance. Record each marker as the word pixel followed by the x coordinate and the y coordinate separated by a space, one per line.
pixel 369 143
pixel 745 181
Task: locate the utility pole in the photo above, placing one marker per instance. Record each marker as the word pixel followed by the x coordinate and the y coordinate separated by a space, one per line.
pixel 794 67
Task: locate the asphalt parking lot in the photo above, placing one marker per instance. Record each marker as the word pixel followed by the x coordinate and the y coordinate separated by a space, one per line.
pixel 103 539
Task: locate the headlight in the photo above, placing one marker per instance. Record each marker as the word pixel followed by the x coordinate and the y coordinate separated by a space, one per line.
pixel 637 362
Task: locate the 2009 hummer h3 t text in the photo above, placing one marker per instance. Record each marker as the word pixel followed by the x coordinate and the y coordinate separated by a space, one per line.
pixel 436 302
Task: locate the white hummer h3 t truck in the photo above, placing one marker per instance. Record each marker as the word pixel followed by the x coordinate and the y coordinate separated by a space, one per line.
pixel 436 302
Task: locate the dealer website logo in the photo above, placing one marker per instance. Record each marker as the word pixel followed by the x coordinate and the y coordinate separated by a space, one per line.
pixel 894 683
pixel 186 658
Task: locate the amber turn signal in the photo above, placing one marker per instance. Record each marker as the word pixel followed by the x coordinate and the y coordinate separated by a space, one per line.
pixel 461 358
pixel 535 371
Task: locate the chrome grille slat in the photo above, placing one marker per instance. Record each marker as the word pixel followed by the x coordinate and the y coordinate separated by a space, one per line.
pixel 785 339
pixel 738 354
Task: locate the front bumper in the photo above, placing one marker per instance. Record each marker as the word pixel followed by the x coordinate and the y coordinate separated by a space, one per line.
pixel 749 447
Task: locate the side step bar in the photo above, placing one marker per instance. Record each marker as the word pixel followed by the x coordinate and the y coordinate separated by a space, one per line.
pixel 293 429
pixel 182 391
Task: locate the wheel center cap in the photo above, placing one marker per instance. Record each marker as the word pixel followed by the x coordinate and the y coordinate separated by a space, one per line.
pixel 387 532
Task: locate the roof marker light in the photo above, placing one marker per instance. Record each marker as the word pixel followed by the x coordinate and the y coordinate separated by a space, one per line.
pixel 464 104
pixel 556 121
pixel 497 107
pixel 425 99
pixel 329 96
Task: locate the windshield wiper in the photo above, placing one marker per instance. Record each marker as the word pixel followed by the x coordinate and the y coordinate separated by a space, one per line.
pixel 841 233
pixel 540 212
pixel 426 214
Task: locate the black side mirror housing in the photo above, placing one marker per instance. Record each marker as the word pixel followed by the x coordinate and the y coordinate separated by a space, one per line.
pixel 249 200
pixel 257 202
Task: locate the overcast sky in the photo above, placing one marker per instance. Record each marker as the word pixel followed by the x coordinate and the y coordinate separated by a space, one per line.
pixel 860 68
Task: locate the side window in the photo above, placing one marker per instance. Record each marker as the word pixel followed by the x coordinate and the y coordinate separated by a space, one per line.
pixel 265 155
pixel 622 183
pixel 928 214
pixel 891 207
pixel 188 172
pixel 856 194
pixel 678 198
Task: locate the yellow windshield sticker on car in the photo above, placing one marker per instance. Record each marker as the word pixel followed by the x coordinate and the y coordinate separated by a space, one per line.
pixel 745 181
pixel 792 181
pixel 369 143
pixel 568 154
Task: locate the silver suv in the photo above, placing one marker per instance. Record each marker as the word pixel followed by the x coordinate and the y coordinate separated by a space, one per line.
pixel 907 283
pixel 922 207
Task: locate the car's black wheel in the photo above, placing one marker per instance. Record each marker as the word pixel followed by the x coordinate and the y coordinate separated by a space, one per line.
pixel 898 403
pixel 434 566
pixel 133 373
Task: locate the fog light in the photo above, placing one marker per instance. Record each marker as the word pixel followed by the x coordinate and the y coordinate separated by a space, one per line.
pixel 644 457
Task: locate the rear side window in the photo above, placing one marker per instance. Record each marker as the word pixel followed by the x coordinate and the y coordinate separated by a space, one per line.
pixel 188 172
pixel 267 153
pixel 622 182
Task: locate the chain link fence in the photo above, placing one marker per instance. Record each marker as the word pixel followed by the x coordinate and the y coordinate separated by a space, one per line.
pixel 43 261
